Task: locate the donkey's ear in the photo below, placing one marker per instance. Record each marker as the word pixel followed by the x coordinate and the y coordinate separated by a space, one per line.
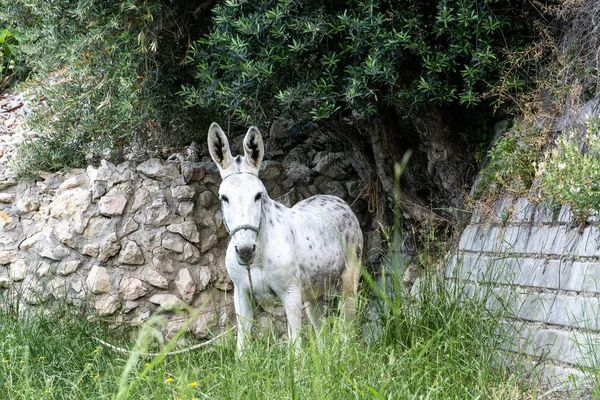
pixel 218 146
pixel 254 150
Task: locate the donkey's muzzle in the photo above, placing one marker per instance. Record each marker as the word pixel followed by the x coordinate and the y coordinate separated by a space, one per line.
pixel 245 254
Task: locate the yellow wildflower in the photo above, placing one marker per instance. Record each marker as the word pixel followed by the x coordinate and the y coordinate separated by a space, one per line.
pixel 169 380
pixel 193 384
pixel 147 364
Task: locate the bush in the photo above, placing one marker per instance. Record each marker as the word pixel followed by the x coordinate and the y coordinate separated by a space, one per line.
pixel 570 172
pixel 511 161
pixel 9 41
pixel 314 58
pixel 112 68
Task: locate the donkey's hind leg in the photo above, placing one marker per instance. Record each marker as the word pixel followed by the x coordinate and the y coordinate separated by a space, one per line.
pixel 350 278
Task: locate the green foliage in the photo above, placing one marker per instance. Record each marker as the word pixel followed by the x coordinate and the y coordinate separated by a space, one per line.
pixel 570 172
pixel 315 58
pixel 511 163
pixel 104 73
pixel 9 41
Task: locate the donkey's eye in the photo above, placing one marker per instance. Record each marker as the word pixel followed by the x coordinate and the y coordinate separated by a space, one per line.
pixel 258 197
pixel 224 198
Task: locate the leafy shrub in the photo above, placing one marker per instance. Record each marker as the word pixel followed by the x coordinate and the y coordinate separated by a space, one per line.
pixel 511 163
pixel 315 58
pixel 570 172
pixel 112 68
pixel 9 41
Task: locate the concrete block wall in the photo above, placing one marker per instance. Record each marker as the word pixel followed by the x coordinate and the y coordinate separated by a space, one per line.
pixel 546 269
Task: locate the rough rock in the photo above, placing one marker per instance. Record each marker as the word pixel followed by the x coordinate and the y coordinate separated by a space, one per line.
pixel 173 242
pixel 27 205
pixel 131 254
pixel 68 267
pixel 65 233
pixel 202 275
pixel 183 192
pixel 107 304
pixel 70 202
pixel 191 254
pixel 132 288
pixel 6 256
pixel 154 278
pixel 111 206
pixel 17 270
pixel 193 172
pixel 7 197
pixel 187 229
pixel 167 301
pixel 208 243
pixel 158 169
pixel 185 285
pixel 5 281
pixel 109 248
pixel 98 280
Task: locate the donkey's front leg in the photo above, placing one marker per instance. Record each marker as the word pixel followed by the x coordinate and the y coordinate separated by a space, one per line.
pixel 244 311
pixel 292 302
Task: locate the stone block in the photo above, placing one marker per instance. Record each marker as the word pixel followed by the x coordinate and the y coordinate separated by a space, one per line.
pixel 589 242
pixel 533 306
pixel 547 274
pixel 524 234
pixel 543 214
pixel 541 239
pixel 566 241
pixel 577 312
pixel 591 280
pixel 466 238
pixel 523 211
pixel 490 239
pixel 503 206
pixel 565 215
pixel 508 239
pixel 572 275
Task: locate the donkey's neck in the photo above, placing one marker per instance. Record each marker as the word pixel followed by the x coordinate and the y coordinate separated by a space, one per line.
pixel 274 214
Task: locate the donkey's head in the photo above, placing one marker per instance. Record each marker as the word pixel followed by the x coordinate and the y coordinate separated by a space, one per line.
pixel 241 192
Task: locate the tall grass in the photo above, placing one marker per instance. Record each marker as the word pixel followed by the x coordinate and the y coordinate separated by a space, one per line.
pixel 436 344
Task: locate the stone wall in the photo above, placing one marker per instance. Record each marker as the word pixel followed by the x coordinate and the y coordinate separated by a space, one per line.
pixel 127 239
pixel 546 267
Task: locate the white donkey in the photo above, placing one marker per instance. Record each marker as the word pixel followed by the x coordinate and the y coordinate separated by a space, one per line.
pixel 294 254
